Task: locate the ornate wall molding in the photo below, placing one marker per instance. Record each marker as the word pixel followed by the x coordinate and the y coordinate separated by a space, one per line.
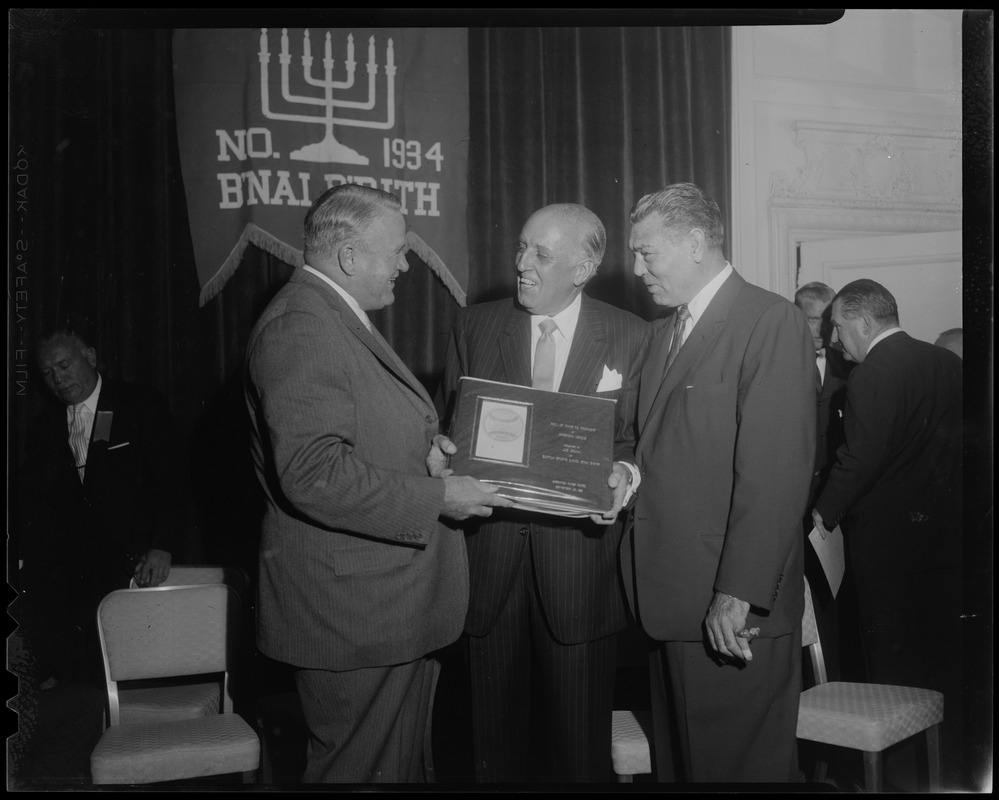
pixel 809 220
pixel 862 180
pixel 873 164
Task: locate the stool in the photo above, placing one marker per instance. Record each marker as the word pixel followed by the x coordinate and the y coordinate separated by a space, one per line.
pixel 630 744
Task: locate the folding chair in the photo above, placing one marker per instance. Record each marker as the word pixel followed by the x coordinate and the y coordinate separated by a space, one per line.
pixel 159 701
pixel 869 717
pixel 169 632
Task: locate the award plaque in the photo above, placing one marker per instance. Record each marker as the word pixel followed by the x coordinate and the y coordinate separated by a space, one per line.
pixel 549 452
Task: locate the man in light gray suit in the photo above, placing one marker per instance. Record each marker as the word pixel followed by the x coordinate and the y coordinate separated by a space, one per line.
pixel 360 580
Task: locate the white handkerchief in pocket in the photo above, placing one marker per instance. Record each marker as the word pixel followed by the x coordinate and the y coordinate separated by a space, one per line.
pixel 609 381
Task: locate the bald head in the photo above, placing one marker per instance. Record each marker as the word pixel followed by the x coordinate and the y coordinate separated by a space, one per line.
pixel 560 248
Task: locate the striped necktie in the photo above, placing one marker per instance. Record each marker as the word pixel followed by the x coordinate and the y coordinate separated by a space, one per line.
pixel 79 439
pixel 682 315
pixel 544 357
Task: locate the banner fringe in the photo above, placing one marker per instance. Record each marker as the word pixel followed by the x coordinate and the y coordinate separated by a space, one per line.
pixel 439 268
pixel 252 234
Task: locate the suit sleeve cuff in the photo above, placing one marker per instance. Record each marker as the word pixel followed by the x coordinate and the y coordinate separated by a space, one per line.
pixel 636 479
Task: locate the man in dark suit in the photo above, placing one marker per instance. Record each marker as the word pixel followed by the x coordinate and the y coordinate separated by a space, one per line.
pixel 896 489
pixel 546 598
pixel 105 501
pixel 831 370
pixel 726 419
pixel 360 581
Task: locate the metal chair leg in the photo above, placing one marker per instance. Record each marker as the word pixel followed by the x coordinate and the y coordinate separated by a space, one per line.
pixel 933 756
pixel 873 777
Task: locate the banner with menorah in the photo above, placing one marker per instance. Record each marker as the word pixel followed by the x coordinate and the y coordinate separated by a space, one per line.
pixel 269 118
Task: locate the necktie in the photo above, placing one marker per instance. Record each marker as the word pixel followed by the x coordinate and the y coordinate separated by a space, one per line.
pixel 544 357
pixel 820 364
pixel 78 438
pixel 682 315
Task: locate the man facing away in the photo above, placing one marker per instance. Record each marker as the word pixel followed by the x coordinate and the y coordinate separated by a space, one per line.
pixel 835 616
pixel 896 489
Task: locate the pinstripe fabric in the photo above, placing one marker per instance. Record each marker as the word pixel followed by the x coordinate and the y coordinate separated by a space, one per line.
pixel 356 569
pixel 357 573
pixel 79 436
pixel 575 584
pixel 347 711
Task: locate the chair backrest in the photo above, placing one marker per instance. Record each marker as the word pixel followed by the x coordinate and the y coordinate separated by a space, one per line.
pixel 810 637
pixel 192 575
pixel 166 632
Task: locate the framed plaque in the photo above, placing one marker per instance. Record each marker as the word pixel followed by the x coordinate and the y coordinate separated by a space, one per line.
pixel 549 452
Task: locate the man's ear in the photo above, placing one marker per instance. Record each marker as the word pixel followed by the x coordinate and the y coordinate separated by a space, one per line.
pixel 583 272
pixel 91 355
pixel 345 258
pixel 698 244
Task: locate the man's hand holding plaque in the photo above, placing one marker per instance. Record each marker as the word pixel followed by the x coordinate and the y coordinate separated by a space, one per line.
pixel 619 482
pixel 464 496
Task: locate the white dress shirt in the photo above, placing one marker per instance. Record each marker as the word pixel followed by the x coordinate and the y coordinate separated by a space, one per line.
pixel 697 306
pixel 347 297
pixel 881 336
pixel 566 320
pixel 87 418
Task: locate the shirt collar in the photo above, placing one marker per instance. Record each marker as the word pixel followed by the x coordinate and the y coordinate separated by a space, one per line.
pixel 566 319
pixel 882 335
pixel 700 301
pixel 347 297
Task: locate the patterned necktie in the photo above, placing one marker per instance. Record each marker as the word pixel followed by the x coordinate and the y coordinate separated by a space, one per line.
pixel 682 315
pixel 78 438
pixel 544 357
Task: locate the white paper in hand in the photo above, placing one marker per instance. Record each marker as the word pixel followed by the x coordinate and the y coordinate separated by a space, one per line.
pixel 830 553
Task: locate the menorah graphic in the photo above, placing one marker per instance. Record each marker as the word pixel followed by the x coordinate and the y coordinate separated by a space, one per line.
pixel 329 149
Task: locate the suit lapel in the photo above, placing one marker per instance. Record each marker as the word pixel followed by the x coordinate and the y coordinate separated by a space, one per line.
pixel 372 340
pixel 515 347
pixel 704 332
pixel 97 450
pixel 587 353
pixel 655 363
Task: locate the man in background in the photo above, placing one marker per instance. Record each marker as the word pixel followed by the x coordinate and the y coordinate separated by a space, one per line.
pixel 726 418
pixel 896 490
pixel 360 580
pixel 952 339
pixel 105 501
pixel 546 599
pixel 835 616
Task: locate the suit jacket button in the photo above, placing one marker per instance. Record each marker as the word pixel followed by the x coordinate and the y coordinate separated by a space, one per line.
pixel 430 417
pixel 524 531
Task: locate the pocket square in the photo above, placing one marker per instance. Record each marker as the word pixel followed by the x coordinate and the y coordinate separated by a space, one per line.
pixel 609 381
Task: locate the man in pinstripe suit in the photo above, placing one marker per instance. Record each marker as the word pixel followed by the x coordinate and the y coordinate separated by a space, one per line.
pixel 545 595
pixel 360 582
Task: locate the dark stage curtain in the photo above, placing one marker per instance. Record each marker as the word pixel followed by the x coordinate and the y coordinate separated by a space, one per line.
pixel 98 218
pixel 597 116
